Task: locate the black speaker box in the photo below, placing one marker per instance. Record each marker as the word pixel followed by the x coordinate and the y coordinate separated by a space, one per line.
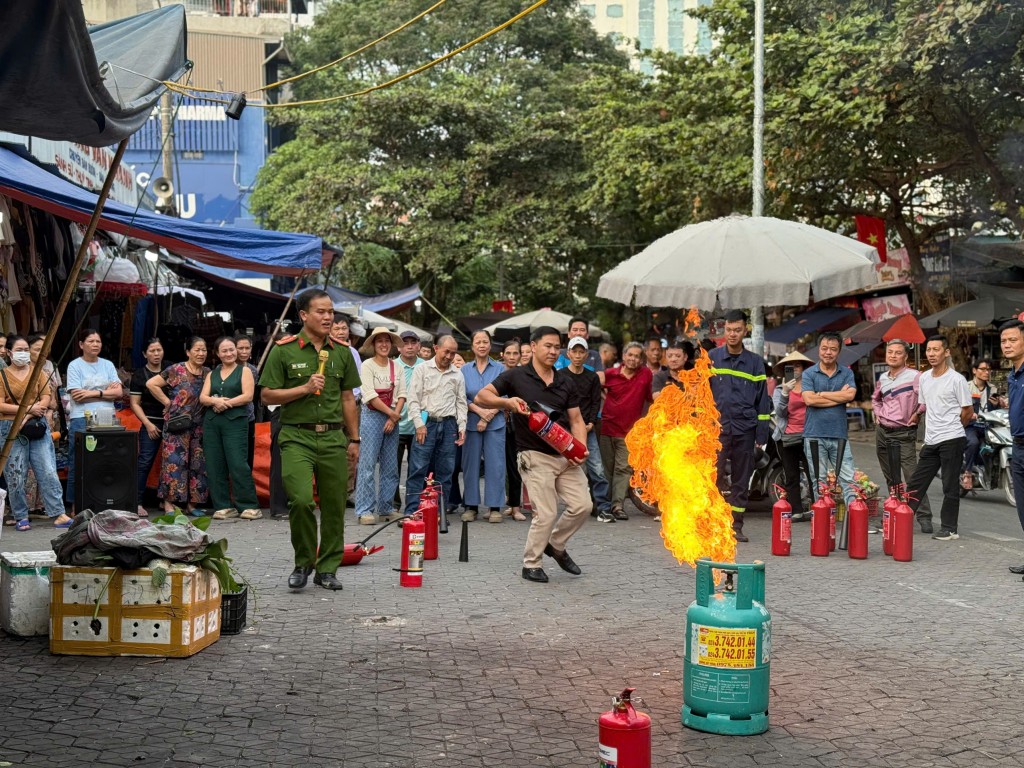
pixel 106 471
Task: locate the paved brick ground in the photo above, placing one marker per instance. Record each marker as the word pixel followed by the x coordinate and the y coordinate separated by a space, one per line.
pixel 875 663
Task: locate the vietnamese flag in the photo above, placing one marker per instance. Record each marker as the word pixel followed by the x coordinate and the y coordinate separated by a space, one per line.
pixel 871 230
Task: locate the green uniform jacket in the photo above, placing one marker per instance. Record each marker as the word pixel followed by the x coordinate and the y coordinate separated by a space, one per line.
pixel 290 364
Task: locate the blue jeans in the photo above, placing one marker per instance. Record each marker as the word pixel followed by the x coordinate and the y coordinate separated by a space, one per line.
pixel 75 427
pixel 828 453
pixel 489 445
pixel 148 449
pixel 438 448
pixel 39 455
pixel 376 449
pixel 599 487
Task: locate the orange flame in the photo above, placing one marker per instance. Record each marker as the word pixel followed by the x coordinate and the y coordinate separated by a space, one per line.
pixel 673 451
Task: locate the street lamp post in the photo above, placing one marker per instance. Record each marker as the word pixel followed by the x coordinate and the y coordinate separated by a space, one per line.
pixel 757 205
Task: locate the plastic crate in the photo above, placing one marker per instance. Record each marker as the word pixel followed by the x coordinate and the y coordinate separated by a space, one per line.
pixel 233 607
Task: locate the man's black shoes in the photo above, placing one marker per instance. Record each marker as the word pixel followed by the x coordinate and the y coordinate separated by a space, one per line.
pixel 564 561
pixel 535 574
pixel 298 578
pixel 926 527
pixel 1018 569
pixel 327 581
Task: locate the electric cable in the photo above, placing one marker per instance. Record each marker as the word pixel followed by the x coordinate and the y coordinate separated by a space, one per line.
pixel 380 86
pixel 329 64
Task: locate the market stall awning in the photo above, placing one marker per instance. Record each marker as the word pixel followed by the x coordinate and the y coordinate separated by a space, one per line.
pixel 67 81
pixel 807 322
pixel 279 253
pixel 381 302
pixel 904 327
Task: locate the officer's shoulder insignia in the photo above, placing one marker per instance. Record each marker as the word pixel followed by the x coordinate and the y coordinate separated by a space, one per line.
pixel 286 340
pixel 340 341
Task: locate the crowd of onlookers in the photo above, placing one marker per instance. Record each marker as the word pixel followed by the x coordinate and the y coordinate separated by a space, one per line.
pixel 417 408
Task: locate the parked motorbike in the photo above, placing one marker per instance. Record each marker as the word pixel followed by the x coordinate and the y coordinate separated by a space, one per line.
pixel 992 469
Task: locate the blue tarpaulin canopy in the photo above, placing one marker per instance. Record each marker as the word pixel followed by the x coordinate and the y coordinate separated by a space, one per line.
pixel 379 303
pixel 278 253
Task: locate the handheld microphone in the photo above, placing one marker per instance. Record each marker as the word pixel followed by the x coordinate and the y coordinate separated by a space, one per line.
pixel 324 356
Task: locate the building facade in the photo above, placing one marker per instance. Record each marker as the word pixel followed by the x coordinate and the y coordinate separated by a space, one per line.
pixel 645 25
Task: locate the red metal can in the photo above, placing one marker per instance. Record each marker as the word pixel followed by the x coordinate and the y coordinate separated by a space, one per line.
pixel 782 526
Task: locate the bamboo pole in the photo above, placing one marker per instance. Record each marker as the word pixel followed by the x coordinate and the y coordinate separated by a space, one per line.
pixel 65 298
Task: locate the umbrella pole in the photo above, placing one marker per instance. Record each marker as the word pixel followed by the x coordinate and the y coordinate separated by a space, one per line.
pixel 70 286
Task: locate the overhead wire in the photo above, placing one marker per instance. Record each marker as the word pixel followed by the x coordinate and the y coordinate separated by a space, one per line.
pixel 329 64
pixel 380 86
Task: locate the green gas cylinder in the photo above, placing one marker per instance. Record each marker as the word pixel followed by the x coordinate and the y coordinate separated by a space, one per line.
pixel 728 650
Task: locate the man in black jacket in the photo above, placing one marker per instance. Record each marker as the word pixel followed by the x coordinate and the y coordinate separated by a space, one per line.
pixel 588 385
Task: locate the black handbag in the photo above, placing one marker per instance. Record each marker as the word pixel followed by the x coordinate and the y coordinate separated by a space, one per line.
pixel 180 423
pixel 34 428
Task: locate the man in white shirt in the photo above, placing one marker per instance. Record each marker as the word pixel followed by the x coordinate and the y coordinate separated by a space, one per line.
pixel 946 401
pixel 405 362
pixel 438 409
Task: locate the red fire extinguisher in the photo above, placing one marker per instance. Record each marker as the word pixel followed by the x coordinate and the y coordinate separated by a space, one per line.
pixel 413 535
pixel 820 522
pixel 555 435
pixel 428 510
pixel 902 524
pixel 857 531
pixel 888 510
pixel 782 525
pixel 624 735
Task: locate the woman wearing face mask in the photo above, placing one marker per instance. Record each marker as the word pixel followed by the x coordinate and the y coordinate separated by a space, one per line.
pixel 34 445
pixel 150 413
pixel 93 386
pixel 227 391
pixel 183 463
pixel 33 495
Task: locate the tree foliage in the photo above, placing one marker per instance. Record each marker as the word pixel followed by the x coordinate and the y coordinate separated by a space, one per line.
pixel 538 159
pixel 456 177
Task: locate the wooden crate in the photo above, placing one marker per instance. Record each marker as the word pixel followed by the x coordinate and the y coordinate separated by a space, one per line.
pixel 136 619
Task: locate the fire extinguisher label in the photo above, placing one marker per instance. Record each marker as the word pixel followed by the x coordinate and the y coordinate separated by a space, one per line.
pixel 718 647
pixel 416 551
pixel 787 527
pixel 609 756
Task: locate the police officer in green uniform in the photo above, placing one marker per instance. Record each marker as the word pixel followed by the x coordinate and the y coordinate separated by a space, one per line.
pixel 311 440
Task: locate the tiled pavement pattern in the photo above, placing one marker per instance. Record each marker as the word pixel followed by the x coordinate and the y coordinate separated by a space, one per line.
pixel 875 663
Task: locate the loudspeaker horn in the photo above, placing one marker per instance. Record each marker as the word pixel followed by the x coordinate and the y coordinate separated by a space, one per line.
pixel 162 187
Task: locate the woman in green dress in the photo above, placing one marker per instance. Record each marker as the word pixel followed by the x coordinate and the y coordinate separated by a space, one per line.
pixel 226 394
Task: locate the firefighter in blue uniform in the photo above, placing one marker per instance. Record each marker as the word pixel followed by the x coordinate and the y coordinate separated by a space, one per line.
pixel 740 388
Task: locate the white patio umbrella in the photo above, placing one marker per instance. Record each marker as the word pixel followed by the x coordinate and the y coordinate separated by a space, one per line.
pixel 738 262
pixel 528 322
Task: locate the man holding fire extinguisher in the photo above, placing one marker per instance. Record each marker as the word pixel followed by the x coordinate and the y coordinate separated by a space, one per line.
pixel 550 476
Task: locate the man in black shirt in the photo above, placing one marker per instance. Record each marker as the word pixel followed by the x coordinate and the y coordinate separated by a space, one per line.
pixel 548 476
pixel 588 385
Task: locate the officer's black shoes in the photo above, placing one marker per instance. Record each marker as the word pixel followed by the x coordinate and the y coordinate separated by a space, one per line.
pixel 327 581
pixel 564 561
pixel 298 578
pixel 535 574
pixel 1018 569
